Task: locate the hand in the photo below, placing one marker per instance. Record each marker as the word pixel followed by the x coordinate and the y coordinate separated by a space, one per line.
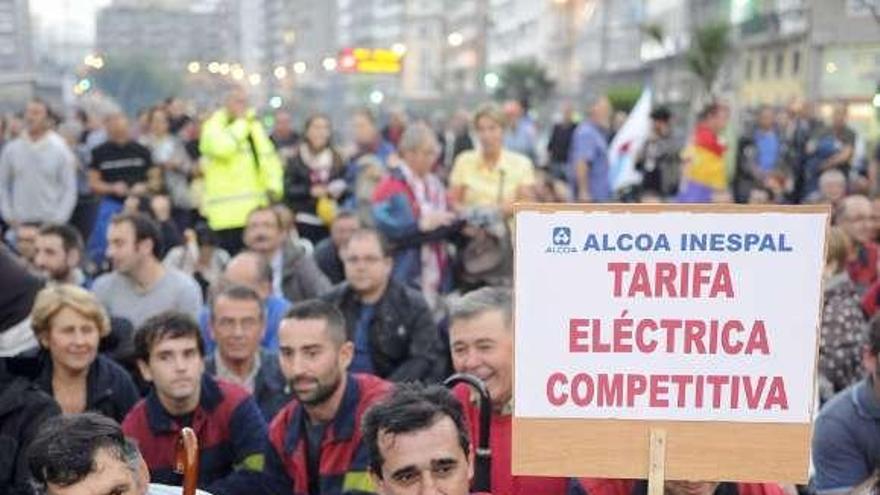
pixel 336 188
pixel 139 189
pixel 318 191
pixel 119 188
pixel 431 221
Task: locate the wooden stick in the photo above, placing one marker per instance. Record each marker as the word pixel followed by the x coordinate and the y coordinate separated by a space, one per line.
pixel 187 460
pixel 657 462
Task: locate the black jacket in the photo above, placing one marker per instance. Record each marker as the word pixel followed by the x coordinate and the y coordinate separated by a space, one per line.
pixel 298 183
pixel 270 387
pixel 327 257
pixel 109 388
pixel 23 409
pixel 301 278
pixel 404 342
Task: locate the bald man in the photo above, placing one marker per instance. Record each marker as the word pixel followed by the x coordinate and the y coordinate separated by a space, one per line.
pixel 254 271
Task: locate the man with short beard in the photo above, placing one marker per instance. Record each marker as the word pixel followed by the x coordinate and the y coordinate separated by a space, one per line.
pixel 316 441
pixel 59 253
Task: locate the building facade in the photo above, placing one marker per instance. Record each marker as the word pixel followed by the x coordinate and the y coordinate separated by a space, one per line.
pixel 18 81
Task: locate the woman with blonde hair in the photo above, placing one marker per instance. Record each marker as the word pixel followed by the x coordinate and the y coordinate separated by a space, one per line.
pixel 69 322
pixel 491 177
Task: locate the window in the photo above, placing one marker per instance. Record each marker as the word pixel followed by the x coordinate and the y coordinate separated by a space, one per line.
pixel 763 70
pixel 796 62
pixel 748 68
pixel 780 63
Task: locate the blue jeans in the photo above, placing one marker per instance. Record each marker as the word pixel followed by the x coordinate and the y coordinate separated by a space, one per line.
pixel 97 245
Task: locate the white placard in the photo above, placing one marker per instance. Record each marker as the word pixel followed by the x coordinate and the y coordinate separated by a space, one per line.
pixel 723 309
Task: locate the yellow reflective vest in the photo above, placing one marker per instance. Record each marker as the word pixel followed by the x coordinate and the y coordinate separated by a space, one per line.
pixel 240 167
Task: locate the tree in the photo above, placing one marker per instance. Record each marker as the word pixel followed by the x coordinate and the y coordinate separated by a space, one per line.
pixel 137 81
pixel 526 81
pixel 654 32
pixel 873 7
pixel 624 97
pixel 709 48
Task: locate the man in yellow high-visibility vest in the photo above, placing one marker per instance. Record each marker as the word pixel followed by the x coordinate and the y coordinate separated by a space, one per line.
pixel 241 169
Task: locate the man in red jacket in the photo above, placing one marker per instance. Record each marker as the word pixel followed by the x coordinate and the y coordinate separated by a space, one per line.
pixel 481 339
pixel 418 443
pixel 316 442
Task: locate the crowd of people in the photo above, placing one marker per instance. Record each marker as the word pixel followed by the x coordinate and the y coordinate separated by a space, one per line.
pixel 298 302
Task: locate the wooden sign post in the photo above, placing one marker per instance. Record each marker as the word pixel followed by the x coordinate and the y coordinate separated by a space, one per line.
pixel 666 342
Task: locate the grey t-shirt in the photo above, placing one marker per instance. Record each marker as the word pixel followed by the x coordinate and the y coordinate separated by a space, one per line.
pixel 122 298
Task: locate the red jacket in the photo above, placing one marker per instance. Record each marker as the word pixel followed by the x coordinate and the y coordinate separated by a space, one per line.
pixel 863 269
pixel 503 482
pixel 343 460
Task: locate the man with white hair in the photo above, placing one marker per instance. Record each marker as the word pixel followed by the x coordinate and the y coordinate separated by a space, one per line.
pixel 410 209
pixel 832 188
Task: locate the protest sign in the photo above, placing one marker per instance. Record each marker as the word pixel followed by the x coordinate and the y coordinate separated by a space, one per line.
pixel 701 321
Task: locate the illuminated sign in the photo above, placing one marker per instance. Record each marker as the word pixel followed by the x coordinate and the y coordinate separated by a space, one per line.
pixel 370 61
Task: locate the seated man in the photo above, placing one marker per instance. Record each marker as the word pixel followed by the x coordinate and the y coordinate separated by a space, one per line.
pixel 418 442
pixel 59 254
pixel 481 339
pixel 846 438
pixel 87 454
pixel 250 270
pixel 139 285
pixel 315 441
pixel 225 418
pixel 295 275
pixel 237 318
pixel 390 324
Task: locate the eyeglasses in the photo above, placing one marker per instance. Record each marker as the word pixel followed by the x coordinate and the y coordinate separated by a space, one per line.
pixel 247 324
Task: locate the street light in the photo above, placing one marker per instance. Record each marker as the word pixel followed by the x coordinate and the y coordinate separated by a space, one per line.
pixel 254 79
pixel 491 80
pixel 280 72
pixel 299 67
pixel 237 73
pixel 376 97
pixel 329 64
pixel 276 102
pixel 194 67
pixel 399 49
pixel 214 67
pixel 224 69
pixel 455 38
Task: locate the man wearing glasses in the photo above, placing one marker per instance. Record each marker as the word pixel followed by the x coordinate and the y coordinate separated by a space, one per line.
pixel 237 326
pixel 390 324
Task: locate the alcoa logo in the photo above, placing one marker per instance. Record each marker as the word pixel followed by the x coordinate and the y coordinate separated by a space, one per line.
pixel 560 241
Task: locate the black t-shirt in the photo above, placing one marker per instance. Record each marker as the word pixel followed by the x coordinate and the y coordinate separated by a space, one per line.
pixel 314 435
pixel 128 162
